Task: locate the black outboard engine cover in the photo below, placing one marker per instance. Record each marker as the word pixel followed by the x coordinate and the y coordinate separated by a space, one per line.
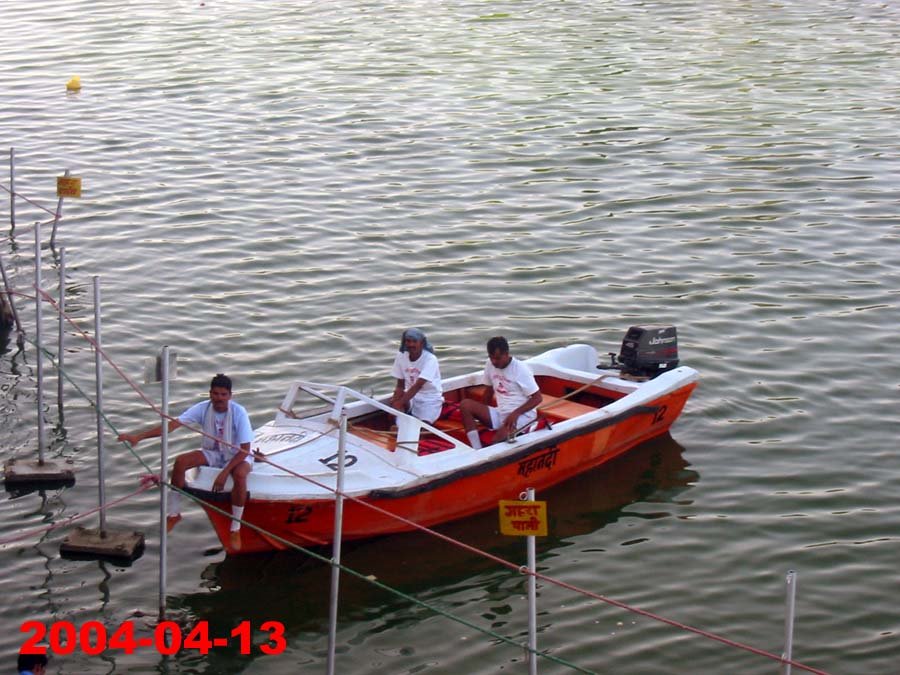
pixel 648 351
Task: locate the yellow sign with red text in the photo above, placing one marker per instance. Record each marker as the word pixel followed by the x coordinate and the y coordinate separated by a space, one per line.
pixel 522 518
pixel 68 186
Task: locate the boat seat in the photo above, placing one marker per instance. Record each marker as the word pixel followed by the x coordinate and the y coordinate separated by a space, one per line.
pixel 556 411
pixel 428 445
pixel 450 418
pixel 450 422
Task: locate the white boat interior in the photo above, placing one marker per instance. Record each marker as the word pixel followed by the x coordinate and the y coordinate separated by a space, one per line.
pixel 388 450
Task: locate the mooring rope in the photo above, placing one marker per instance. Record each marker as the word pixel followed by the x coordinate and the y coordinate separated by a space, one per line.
pixel 24 198
pixel 145 485
pixel 50 355
pixel 415 526
pixel 385 587
pixel 552 580
pixel 124 376
pixel 563 399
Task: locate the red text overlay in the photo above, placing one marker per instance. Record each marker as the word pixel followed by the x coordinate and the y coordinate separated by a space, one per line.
pixel 168 638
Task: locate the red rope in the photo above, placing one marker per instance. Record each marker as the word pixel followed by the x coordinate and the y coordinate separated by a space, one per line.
pixel 145 485
pixel 35 204
pixel 121 373
pixel 422 528
pixel 556 582
pixel 20 293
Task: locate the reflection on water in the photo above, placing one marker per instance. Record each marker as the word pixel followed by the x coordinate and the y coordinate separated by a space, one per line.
pixel 296 587
pixel 277 189
pixel 5 336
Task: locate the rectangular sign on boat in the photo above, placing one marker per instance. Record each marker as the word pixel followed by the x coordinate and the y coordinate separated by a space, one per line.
pixel 523 518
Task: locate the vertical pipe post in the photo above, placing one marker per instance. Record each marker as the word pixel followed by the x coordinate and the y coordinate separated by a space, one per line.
pixel 163 490
pixel 790 583
pixel 56 219
pixel 39 361
pixel 336 545
pixel 12 188
pixel 532 595
pixel 61 349
pixel 98 375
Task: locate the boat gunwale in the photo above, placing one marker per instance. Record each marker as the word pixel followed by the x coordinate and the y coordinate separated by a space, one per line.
pixel 541 440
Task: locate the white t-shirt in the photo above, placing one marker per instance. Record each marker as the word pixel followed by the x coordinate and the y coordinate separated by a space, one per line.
pixel 512 385
pixel 242 431
pixel 427 403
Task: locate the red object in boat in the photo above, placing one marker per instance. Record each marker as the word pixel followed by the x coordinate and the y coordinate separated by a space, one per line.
pixel 415 473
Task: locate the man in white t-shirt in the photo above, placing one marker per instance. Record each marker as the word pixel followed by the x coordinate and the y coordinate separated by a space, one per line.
pixel 418 389
pixel 515 388
pixel 225 445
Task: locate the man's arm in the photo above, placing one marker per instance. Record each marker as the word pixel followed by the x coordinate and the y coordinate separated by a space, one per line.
pixel 407 396
pixel 533 401
pixel 153 432
pixel 397 395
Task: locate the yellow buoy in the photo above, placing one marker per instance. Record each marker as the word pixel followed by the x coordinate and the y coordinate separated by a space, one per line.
pixel 74 84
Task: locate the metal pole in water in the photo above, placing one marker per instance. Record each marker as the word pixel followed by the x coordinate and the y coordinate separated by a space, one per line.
pixel 532 595
pixel 61 349
pixel 790 583
pixel 98 374
pixel 163 490
pixel 38 316
pixel 12 188
pixel 336 546
pixel 56 219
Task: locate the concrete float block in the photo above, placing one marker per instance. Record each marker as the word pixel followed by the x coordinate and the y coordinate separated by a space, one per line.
pixel 23 472
pixel 119 546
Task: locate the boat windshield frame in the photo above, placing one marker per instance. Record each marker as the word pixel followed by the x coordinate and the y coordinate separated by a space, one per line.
pixel 409 427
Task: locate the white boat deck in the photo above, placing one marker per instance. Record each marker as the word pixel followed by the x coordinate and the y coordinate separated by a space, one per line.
pixel 302 453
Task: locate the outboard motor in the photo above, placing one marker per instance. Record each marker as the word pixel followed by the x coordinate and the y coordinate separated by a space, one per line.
pixel 648 351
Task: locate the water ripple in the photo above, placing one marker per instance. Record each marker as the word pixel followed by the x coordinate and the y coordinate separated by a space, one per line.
pixel 276 190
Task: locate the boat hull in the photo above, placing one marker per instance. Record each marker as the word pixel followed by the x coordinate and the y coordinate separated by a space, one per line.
pixel 285 523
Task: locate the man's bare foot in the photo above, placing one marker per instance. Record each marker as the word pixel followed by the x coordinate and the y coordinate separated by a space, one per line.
pixel 172 521
pixel 234 540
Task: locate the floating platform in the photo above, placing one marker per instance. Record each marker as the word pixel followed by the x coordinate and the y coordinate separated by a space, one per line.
pixel 31 472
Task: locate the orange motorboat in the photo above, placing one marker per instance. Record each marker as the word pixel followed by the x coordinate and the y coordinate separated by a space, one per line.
pixel 400 471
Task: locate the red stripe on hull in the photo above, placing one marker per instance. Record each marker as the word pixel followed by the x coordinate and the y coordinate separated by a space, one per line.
pixel 311 523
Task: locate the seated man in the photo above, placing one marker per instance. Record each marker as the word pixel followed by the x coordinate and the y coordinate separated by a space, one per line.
pixel 220 419
pixel 418 389
pixel 516 390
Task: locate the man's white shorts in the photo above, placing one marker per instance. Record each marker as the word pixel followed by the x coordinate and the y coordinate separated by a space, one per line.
pixel 218 459
pixel 524 419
